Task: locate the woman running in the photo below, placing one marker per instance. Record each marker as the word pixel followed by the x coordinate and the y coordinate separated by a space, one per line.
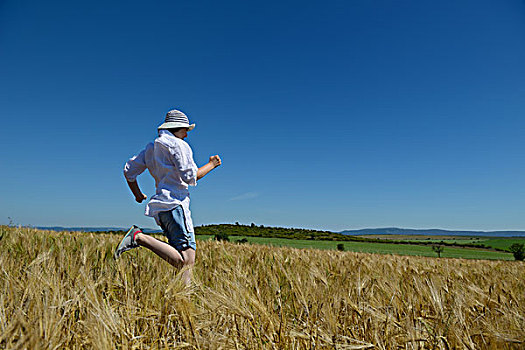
pixel 169 160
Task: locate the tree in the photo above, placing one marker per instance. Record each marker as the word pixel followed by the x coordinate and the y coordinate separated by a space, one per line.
pixel 438 249
pixel 222 236
pixel 340 247
pixel 518 250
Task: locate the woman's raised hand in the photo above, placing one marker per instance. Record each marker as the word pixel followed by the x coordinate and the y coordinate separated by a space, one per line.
pixel 215 161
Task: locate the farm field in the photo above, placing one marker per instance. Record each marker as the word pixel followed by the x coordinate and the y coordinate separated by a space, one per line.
pixel 502 243
pixel 64 290
pixel 380 248
pixel 493 242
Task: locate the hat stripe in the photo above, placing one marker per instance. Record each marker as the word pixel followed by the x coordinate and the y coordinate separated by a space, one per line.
pixel 175 116
pixel 177 119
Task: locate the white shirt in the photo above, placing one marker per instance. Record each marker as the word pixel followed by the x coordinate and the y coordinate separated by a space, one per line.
pixel 170 162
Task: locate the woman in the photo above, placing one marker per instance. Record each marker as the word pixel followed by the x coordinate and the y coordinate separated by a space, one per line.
pixel 169 160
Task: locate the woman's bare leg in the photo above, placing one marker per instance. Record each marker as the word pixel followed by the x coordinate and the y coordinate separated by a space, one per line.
pixel 162 249
pixel 189 261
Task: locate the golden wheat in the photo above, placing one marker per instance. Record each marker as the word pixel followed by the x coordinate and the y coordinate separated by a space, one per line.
pixel 64 290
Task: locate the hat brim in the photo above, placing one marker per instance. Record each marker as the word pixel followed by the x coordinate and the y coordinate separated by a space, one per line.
pixel 173 125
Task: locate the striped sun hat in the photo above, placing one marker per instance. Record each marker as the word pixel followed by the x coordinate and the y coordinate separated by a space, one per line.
pixel 176 119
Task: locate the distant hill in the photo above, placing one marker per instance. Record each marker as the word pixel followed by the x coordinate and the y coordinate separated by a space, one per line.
pixel 234 230
pixel 430 232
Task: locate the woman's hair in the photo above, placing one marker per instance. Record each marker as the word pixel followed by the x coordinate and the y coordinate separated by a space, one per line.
pixel 174 130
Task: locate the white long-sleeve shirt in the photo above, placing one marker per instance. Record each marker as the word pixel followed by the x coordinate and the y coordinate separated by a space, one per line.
pixel 170 162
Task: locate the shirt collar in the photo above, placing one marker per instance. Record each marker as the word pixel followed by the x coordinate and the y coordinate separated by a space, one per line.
pixel 167 138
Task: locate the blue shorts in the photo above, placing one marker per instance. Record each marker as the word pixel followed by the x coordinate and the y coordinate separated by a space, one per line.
pixel 173 223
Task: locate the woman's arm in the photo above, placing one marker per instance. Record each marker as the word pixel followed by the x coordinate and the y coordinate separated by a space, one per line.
pixel 133 168
pixel 134 187
pixel 214 162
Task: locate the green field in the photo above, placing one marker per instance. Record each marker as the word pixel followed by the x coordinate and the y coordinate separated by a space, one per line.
pixel 492 242
pixel 449 240
pixel 380 248
pixel 498 243
pixel 501 243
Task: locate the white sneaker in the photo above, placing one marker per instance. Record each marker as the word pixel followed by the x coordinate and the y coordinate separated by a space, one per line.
pixel 128 242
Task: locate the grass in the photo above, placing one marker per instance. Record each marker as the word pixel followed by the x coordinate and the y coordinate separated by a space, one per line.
pixel 380 248
pixel 492 242
pixel 65 291
pixel 502 243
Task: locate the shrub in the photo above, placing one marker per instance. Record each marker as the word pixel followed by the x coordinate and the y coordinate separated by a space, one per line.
pixel 241 241
pixel 518 250
pixel 341 247
pixel 222 236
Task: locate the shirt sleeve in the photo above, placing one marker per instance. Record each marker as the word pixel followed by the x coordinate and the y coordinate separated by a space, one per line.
pixel 183 158
pixel 135 166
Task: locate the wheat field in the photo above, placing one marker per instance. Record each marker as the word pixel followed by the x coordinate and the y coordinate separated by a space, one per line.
pixel 65 291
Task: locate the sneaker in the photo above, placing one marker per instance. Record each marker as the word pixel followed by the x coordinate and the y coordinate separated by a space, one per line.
pixel 128 242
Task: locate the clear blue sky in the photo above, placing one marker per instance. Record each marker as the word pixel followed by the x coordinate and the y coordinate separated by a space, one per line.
pixel 329 114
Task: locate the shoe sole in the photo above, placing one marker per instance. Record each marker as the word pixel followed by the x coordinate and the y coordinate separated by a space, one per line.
pixel 116 254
